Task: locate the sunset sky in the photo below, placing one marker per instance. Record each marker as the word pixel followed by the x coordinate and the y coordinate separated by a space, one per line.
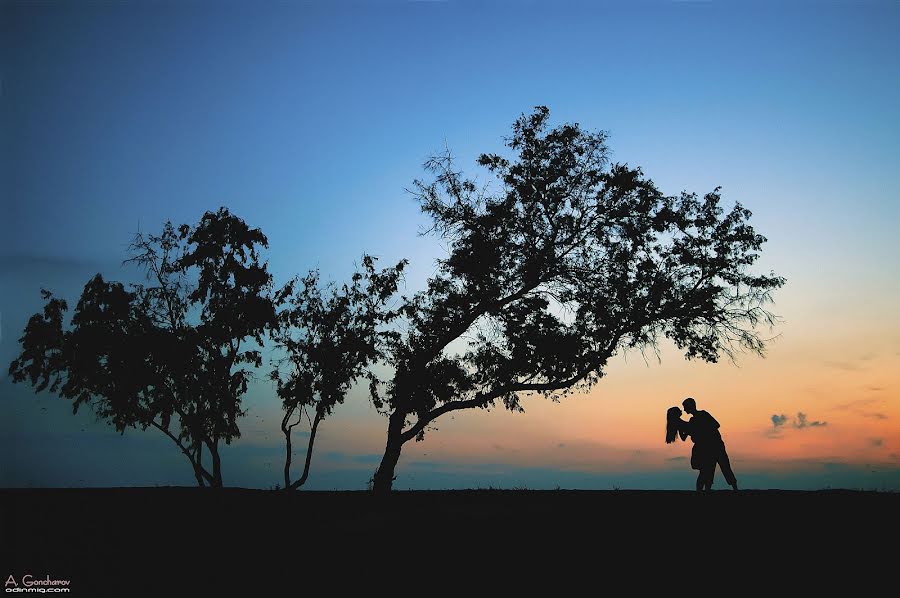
pixel 309 119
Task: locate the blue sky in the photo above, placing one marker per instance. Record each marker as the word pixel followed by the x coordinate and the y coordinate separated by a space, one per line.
pixel 309 120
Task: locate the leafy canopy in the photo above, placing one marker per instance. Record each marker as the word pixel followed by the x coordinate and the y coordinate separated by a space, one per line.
pixel 570 261
pixel 175 353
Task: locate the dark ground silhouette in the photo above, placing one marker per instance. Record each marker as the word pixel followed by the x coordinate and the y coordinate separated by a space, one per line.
pixel 163 541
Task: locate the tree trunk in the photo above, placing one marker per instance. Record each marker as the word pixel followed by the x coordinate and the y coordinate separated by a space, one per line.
pixel 216 465
pixel 287 457
pixel 383 480
pixel 320 415
pixel 198 476
pixel 197 462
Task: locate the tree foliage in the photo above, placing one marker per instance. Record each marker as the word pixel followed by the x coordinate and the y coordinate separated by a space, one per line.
pixel 175 353
pixel 328 336
pixel 569 262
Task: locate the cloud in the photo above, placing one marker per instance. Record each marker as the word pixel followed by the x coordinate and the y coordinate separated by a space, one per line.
pixel 874 388
pixel 842 365
pixel 561 445
pixel 340 457
pixel 681 458
pixel 29 262
pixel 371 458
pixel 857 406
pixel 874 415
pixel 852 365
pixel 876 441
pixel 801 422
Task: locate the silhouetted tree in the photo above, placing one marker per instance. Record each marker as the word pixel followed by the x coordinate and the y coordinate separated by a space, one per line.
pixel 328 337
pixel 570 262
pixel 175 353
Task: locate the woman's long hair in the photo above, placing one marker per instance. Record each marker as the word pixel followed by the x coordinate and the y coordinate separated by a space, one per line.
pixel 673 421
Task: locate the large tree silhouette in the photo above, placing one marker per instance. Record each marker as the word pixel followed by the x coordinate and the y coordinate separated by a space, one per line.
pixel 569 262
pixel 327 336
pixel 176 353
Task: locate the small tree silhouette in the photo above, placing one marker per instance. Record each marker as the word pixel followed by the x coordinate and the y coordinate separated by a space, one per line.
pixel 570 262
pixel 173 354
pixel 328 337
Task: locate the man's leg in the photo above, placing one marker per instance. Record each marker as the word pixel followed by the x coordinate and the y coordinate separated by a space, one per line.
pixel 705 479
pixel 725 464
pixel 711 476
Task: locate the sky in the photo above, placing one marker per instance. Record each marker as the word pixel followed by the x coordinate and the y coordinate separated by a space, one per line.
pixel 310 119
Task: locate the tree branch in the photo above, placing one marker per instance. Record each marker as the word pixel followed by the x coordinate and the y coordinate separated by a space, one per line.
pixel 320 415
pixel 185 450
pixel 482 399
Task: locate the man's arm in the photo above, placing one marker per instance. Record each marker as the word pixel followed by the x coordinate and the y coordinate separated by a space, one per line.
pixel 711 420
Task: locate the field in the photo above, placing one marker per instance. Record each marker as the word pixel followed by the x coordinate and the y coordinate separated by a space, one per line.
pixel 166 541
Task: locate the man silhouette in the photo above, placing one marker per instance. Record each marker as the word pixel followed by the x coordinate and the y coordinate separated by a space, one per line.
pixel 708 441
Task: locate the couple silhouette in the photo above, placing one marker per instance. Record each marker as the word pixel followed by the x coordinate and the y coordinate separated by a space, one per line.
pixel 709 449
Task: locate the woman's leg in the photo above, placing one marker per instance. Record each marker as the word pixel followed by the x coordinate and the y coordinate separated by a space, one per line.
pixel 705 477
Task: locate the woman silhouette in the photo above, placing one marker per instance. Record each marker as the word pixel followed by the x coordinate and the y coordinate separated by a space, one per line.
pixel 702 458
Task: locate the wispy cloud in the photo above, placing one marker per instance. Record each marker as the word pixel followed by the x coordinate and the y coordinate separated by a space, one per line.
pixel 341 457
pixel 859 406
pixel 800 422
pixel 24 262
pixel 856 404
pixel 877 442
pixel 875 415
pixel 851 365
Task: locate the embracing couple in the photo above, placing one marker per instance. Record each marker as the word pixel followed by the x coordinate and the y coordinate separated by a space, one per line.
pixel 709 449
